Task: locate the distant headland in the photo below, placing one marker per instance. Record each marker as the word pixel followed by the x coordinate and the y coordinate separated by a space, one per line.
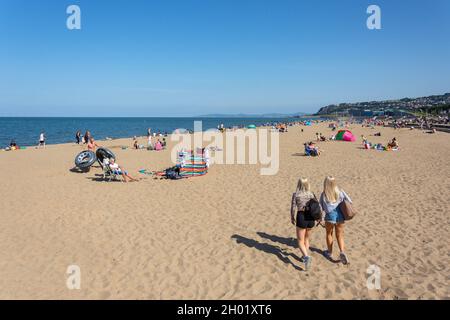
pixel 244 115
pixel 405 106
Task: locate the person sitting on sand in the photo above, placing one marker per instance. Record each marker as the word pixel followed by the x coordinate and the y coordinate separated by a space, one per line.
pixel 393 144
pixel 301 219
pixel 330 199
pixel 314 150
pixel 364 139
pixel 135 143
pixel 92 145
pixel 116 169
pixel 308 150
pixel 158 146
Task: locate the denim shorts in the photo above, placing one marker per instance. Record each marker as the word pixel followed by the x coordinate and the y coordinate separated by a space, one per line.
pixel 334 216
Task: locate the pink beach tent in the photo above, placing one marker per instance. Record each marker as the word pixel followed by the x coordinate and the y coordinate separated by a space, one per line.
pixel 345 135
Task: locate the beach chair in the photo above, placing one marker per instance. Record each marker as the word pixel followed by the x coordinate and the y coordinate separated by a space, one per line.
pixel 108 173
pixel 308 152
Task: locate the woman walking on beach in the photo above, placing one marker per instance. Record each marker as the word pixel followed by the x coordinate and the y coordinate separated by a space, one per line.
pixel 330 199
pixel 87 136
pixel 41 140
pixel 78 137
pixel 301 219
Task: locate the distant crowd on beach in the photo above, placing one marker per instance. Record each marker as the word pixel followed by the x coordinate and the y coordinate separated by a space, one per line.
pixel 154 141
pixel 424 123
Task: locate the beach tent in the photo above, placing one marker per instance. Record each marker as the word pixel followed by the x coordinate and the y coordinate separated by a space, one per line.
pixel 345 135
pixel 308 123
pixel 251 126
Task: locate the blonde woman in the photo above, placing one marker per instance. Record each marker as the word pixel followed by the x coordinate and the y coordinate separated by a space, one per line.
pixel 301 219
pixel 330 199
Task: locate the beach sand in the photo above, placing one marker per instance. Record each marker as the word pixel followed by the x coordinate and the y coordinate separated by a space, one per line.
pixel 226 235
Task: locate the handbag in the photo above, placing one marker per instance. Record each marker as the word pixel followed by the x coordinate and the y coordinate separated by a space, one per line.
pixel 347 210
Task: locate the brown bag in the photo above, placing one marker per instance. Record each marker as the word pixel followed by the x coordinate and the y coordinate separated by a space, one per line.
pixel 347 209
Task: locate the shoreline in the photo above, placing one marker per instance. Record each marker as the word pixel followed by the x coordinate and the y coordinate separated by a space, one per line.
pixel 263 122
pixel 440 128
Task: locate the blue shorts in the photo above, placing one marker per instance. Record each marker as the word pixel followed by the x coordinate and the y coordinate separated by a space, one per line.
pixel 334 216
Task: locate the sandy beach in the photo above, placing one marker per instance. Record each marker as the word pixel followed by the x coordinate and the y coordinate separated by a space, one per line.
pixel 226 235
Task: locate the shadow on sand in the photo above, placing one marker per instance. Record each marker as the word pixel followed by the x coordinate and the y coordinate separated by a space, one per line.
pixel 78 170
pixel 292 242
pixel 99 178
pixel 299 154
pixel 268 248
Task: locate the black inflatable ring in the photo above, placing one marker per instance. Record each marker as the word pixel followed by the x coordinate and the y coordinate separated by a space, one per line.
pixel 103 153
pixel 85 159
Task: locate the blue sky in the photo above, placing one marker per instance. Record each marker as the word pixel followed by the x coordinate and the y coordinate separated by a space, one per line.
pixel 191 57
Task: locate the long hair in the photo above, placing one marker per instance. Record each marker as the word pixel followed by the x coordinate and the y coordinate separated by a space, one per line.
pixel 302 185
pixel 330 189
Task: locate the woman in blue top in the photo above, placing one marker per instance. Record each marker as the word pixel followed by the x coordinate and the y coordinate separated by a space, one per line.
pixel 330 199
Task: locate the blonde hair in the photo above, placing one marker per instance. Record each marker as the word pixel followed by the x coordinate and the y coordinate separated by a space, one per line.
pixel 303 185
pixel 330 189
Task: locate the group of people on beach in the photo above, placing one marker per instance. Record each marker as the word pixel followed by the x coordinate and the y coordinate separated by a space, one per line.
pixel 110 163
pixel 301 217
pixel 41 143
pixel 391 145
pixel 321 137
pixel 87 139
pixel 83 139
pixel 158 145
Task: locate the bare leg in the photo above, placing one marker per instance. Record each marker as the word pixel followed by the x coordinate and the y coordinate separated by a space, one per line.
pixel 307 235
pixel 131 178
pixel 340 236
pixel 301 241
pixel 329 229
pixel 126 176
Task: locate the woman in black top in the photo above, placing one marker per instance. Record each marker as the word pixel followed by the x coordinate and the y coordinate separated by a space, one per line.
pixel 78 137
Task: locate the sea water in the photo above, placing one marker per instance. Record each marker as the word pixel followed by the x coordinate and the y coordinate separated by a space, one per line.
pixel 25 131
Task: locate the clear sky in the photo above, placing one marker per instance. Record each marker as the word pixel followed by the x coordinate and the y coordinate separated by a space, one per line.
pixel 191 57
